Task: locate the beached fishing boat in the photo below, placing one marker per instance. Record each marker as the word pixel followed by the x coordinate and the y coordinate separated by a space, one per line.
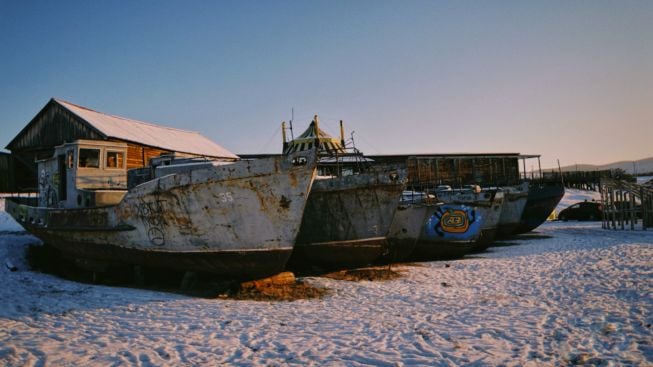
pixel 514 201
pixel 233 218
pixel 346 222
pixel 349 209
pixel 542 199
pixel 445 231
pixel 488 205
pixel 450 232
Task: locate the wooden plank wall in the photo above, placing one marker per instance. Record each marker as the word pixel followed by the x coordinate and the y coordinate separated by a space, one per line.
pixel 51 127
pixel 7 183
pixel 462 171
pixel 139 156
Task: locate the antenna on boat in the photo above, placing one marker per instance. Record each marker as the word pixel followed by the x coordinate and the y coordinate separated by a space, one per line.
pixel 292 118
pixel 562 179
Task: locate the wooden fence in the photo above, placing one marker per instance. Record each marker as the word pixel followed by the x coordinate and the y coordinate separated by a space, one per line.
pixel 626 205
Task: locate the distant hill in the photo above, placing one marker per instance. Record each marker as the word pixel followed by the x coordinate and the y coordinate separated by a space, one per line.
pixel 643 166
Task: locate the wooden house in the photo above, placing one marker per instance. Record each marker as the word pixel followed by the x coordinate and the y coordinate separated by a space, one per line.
pixel 62 122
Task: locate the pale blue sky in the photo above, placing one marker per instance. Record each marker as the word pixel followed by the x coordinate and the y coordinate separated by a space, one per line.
pixel 571 80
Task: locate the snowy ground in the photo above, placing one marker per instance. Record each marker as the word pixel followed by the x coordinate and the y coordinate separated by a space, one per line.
pixel 569 293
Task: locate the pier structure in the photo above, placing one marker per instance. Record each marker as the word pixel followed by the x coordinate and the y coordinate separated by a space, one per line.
pixel 626 205
pixel 585 180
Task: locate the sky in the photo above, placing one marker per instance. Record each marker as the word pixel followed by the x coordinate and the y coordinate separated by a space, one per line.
pixel 570 80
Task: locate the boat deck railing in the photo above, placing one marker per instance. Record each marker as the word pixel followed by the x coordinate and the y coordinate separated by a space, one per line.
pixel 31 200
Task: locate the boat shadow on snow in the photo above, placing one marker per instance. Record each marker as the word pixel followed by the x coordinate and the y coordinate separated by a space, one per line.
pixel 519 239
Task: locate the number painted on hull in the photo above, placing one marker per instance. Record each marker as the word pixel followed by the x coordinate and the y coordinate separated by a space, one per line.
pixel 226 197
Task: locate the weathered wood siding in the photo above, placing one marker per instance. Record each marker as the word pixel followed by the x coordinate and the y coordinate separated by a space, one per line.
pixel 52 126
pixel 7 183
pixel 428 170
pixel 139 155
pixel 433 171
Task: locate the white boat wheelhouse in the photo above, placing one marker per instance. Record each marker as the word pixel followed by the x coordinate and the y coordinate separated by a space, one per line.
pixel 82 174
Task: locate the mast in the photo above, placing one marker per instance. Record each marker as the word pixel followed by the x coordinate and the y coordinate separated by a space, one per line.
pixel 283 135
pixel 317 131
pixel 342 135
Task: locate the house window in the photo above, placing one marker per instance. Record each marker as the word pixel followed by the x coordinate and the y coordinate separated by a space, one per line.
pixel 114 159
pixel 89 158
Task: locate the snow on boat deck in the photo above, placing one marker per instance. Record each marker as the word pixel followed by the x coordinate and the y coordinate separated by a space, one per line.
pixel 569 293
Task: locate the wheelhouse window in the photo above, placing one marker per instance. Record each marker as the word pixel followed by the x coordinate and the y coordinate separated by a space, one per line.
pixel 89 158
pixel 69 159
pixel 114 159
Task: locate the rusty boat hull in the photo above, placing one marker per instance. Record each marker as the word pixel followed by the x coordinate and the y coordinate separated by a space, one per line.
pixel 346 222
pixel 236 220
pixel 405 230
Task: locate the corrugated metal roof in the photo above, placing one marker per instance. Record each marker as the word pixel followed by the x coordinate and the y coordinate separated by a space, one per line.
pixel 148 134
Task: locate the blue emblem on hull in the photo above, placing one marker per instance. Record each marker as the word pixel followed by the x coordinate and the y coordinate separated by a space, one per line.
pixel 453 223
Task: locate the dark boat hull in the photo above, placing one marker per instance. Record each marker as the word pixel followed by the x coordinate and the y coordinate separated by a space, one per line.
pixel 346 222
pixel 405 230
pixel 514 202
pixel 337 255
pixel 232 265
pixel 485 240
pixel 542 200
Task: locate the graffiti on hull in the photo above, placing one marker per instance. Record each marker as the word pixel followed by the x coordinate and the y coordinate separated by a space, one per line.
pixel 454 222
pixel 151 213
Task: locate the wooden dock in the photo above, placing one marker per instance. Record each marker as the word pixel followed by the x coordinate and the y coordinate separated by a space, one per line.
pixel 585 180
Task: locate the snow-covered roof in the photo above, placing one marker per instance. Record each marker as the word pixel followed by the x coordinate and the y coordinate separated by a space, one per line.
pixel 148 134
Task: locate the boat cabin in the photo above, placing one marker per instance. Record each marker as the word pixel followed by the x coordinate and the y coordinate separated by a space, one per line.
pixel 82 174
pixel 334 158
